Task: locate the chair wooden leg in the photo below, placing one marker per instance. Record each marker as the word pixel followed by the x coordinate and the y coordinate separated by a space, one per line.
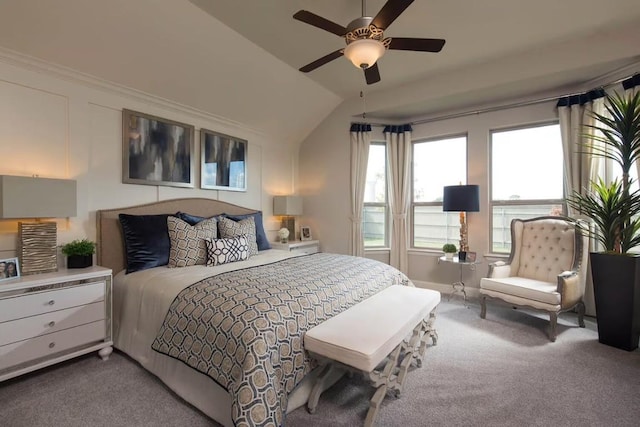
pixel 581 310
pixel 553 320
pixel 483 307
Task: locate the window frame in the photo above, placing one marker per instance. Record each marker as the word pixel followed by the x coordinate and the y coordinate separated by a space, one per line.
pixel 519 202
pixel 413 204
pixel 384 204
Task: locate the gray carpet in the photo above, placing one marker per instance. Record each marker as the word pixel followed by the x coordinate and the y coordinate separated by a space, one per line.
pixel 499 371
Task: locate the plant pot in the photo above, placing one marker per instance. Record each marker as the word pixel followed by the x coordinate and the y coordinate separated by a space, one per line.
pixel 448 255
pixel 79 261
pixel 462 256
pixel 616 286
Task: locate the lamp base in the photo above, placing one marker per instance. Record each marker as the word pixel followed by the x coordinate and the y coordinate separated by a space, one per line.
pixel 289 223
pixel 37 247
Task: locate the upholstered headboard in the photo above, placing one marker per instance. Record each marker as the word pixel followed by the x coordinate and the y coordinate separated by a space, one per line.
pixel 110 244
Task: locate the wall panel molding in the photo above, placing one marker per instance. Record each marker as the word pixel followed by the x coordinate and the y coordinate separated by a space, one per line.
pixel 64 73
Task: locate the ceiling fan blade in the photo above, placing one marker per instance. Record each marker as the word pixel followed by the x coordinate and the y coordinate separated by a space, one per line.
pixel 389 12
pixel 319 62
pixel 372 74
pixel 422 45
pixel 320 22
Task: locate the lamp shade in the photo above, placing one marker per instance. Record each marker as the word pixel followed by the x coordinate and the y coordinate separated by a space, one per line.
pixel 287 205
pixel 461 198
pixel 363 53
pixel 31 197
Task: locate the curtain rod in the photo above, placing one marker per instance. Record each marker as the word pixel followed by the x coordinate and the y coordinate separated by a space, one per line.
pixel 511 105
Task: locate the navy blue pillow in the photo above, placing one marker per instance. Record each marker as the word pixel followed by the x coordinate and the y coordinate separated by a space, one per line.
pixel 190 219
pixel 261 237
pixel 146 241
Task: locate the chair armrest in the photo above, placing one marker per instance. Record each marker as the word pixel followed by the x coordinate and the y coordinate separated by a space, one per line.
pixel 569 288
pixel 499 269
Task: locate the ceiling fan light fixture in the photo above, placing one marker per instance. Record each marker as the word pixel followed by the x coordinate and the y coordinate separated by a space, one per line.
pixel 363 53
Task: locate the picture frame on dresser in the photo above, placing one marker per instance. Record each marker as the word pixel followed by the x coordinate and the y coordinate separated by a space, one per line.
pixel 305 233
pixel 9 268
pixel 157 151
pixel 223 161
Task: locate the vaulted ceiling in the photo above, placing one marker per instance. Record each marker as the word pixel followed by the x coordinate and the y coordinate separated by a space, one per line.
pixel 239 59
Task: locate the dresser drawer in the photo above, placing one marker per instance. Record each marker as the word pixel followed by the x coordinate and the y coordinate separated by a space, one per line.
pixel 26 305
pixel 50 344
pixel 30 327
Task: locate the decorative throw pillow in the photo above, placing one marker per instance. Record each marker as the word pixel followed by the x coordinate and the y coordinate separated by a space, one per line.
pixel 188 241
pixel 146 241
pixel 230 228
pixel 261 236
pixel 223 251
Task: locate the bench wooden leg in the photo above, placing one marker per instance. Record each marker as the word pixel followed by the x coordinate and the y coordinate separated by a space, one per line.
pixel 374 406
pixel 318 387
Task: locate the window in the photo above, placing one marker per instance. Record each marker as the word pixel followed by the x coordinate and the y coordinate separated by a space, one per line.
pixel 526 178
pixel 436 163
pixel 374 215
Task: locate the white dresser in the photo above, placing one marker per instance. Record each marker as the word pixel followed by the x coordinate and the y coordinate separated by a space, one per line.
pixel 51 317
pixel 298 246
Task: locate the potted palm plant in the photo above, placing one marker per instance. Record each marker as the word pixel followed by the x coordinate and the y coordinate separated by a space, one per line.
pixel 79 253
pixel 614 209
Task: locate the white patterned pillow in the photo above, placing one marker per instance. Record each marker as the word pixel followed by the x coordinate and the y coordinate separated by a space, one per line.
pixel 247 227
pixel 223 251
pixel 187 241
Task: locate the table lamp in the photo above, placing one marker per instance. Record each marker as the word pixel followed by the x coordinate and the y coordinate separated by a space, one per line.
pixel 288 207
pixel 23 197
pixel 463 199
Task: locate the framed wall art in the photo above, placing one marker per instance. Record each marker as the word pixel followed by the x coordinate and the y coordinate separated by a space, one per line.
pixel 223 162
pixel 156 151
pixel 9 268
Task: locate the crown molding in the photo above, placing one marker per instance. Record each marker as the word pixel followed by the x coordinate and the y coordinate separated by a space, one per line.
pixel 37 65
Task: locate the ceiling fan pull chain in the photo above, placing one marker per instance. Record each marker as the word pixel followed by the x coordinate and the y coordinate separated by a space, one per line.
pixel 364 10
pixel 364 105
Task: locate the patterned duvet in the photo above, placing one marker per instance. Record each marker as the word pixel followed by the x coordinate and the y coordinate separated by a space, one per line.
pixel 245 328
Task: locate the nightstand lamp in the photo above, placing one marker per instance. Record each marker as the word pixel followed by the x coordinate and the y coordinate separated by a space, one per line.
pixel 463 199
pixel 23 197
pixel 288 207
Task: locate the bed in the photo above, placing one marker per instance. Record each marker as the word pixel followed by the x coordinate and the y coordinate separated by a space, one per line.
pixel 229 338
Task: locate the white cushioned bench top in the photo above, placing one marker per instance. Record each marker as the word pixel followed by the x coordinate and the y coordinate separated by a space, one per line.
pixel 363 335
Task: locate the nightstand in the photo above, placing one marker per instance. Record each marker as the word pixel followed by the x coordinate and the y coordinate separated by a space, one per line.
pixel 298 246
pixel 51 317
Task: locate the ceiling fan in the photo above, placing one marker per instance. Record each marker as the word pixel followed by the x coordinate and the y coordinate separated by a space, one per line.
pixel 365 38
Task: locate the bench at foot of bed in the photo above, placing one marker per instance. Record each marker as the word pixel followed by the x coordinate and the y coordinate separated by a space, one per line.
pixel 393 324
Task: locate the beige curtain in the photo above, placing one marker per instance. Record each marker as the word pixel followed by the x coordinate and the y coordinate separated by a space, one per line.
pixel 580 166
pixel 398 164
pixel 360 140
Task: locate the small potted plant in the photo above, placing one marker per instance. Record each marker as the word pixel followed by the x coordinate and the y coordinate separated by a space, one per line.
pixel 79 253
pixel 449 249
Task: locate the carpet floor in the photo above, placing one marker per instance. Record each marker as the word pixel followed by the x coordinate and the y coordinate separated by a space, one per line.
pixel 501 371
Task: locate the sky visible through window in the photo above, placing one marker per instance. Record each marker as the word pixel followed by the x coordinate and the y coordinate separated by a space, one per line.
pixel 527 164
pixel 436 164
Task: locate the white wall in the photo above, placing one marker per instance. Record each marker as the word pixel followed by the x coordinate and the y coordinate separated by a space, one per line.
pixel 325 183
pixel 59 124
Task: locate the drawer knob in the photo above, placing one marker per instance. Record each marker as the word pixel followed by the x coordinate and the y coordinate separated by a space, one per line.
pixel 51 324
pixel 51 302
pixel 52 344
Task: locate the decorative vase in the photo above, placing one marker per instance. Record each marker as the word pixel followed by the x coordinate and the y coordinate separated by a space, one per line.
pixel 616 286
pixel 79 261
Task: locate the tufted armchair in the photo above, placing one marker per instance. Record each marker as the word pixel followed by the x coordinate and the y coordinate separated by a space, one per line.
pixel 546 269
